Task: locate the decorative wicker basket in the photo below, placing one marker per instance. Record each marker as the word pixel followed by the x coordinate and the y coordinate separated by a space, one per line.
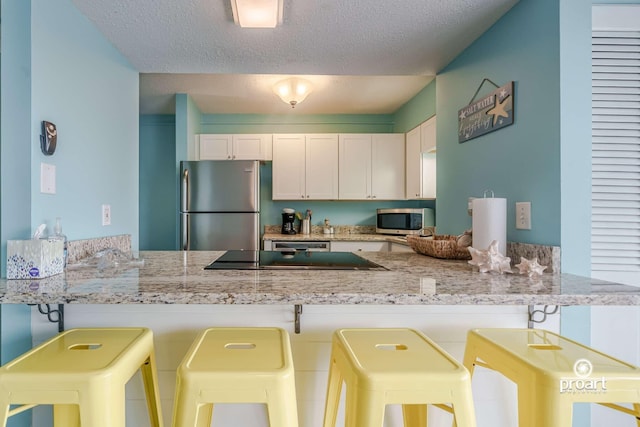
pixel 443 246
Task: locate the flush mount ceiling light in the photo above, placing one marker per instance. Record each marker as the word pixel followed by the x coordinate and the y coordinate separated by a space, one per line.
pixel 293 90
pixel 257 13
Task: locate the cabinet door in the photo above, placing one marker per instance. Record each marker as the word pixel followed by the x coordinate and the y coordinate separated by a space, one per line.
pixel 348 246
pixel 387 166
pixel 321 167
pixel 250 146
pixel 215 147
pixel 288 167
pixel 355 166
pixel 398 247
pixel 428 135
pixel 413 164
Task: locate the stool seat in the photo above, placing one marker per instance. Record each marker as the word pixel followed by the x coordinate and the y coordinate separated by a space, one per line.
pixel 83 373
pixel 236 365
pixel 394 366
pixel 553 372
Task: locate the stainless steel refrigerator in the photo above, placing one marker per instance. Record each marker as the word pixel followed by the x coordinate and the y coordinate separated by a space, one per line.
pixel 220 205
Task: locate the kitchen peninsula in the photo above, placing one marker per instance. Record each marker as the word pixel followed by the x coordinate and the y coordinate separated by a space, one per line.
pixel 174 296
pixel 411 279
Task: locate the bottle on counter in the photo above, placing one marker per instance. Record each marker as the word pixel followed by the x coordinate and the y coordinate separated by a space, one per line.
pixel 58 235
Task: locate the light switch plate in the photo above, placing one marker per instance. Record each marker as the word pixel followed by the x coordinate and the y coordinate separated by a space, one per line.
pixel 47 178
pixel 523 215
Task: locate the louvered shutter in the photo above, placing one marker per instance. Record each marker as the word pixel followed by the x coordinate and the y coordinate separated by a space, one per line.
pixel 615 229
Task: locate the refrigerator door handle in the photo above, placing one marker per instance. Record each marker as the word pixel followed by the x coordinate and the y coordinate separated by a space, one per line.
pixel 185 232
pixel 185 190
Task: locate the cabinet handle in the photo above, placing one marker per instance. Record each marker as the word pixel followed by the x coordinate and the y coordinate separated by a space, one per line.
pixel 307 196
pixel 302 196
pixel 233 157
pixel 228 157
pixel 373 197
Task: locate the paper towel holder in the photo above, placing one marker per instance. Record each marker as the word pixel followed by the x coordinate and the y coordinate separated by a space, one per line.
pixel 493 195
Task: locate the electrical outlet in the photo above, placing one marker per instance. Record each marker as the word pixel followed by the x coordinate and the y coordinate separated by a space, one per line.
pixel 106 214
pixel 523 215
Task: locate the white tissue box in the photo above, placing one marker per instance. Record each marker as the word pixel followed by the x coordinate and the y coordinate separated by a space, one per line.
pixel 34 259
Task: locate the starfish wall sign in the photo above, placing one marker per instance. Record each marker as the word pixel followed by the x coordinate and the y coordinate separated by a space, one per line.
pixel 487 114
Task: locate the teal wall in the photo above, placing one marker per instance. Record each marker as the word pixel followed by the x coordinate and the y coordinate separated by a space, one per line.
pixel 15 173
pixel 520 162
pixel 417 110
pixel 158 182
pixel 292 123
pixel 88 89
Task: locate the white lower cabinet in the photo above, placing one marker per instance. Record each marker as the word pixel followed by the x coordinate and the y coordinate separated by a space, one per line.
pixel 399 247
pixel 352 246
pixel 175 327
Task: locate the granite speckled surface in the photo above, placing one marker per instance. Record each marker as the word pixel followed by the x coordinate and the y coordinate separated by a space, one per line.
pixel 179 278
pixel 80 249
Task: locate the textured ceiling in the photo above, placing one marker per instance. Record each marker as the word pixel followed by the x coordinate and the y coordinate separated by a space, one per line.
pixel 404 40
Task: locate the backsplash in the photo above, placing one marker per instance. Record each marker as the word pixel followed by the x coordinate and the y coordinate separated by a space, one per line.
pixel 80 249
pixel 547 255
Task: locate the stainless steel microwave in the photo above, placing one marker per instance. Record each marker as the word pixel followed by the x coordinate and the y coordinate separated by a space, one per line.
pixel 400 221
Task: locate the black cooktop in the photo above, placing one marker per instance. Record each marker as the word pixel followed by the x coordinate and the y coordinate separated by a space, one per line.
pixel 299 260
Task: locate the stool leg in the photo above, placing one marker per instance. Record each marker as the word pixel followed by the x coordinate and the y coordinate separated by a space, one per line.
pixel 636 407
pixel 463 411
pixel 4 410
pixel 414 415
pixel 103 409
pixel 187 411
pixel 369 409
pixel 282 407
pixel 334 387
pixel 205 413
pixel 66 416
pixel 150 380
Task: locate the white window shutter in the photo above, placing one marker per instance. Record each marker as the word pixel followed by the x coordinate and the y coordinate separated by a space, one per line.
pixel 615 229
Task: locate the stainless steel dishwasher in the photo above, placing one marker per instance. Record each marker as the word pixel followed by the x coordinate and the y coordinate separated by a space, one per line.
pixel 291 246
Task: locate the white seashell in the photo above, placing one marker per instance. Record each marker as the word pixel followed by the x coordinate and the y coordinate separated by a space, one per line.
pixel 490 260
pixel 530 267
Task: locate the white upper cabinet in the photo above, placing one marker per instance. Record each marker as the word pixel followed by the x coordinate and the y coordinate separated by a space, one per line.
pixel 387 166
pixel 235 147
pixel 421 161
pixel 414 164
pixel 371 166
pixel 305 167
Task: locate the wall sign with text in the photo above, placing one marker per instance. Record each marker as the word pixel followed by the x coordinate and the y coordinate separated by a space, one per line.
pixel 490 113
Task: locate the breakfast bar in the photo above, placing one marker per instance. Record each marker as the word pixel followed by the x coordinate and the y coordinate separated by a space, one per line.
pixel 168 277
pixel 172 293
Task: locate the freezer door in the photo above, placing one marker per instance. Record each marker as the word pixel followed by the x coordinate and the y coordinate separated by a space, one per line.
pixel 220 231
pixel 220 186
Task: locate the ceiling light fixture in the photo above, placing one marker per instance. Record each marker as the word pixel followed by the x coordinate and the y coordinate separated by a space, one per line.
pixel 257 13
pixel 293 90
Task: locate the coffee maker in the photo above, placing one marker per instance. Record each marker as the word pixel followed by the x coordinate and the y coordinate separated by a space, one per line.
pixel 288 219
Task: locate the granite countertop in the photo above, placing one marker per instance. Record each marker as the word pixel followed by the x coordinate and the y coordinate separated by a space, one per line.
pixel 179 277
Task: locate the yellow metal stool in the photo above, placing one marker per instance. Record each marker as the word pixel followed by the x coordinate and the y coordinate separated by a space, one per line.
pixel 236 365
pixel 394 366
pixel 552 373
pixel 82 373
